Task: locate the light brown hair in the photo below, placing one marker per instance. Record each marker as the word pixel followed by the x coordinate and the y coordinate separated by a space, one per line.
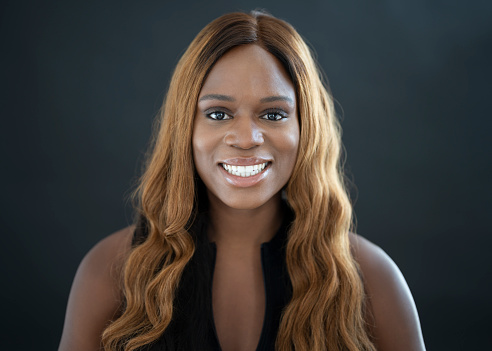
pixel 326 311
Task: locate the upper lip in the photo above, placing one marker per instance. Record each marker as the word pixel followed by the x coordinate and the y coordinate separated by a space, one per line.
pixel 245 161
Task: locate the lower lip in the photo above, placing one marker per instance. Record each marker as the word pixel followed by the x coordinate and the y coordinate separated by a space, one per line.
pixel 244 182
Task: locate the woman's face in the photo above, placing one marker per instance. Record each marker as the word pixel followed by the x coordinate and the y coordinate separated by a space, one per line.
pixel 246 130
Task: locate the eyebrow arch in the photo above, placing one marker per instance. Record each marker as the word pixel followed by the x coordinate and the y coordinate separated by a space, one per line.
pixel 277 98
pixel 217 97
pixel 222 97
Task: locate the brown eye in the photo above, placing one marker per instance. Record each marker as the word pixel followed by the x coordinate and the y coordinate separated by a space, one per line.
pixel 273 116
pixel 218 115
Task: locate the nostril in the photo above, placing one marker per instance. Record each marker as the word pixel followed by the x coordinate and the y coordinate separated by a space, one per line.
pixel 244 132
pixel 244 140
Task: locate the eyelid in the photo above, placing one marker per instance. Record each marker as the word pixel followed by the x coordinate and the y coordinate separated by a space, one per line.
pixel 211 110
pixel 278 111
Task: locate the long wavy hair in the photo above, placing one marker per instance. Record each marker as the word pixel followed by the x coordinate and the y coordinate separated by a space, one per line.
pixel 326 311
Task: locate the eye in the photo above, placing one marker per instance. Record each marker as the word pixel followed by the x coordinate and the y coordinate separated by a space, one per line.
pixel 218 115
pixel 274 115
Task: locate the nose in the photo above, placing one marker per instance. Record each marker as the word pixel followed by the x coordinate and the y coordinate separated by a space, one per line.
pixel 244 133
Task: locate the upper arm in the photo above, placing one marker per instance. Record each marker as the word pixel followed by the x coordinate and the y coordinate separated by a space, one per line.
pixel 95 297
pixel 394 316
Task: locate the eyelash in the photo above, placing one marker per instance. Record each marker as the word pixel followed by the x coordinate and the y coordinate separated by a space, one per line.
pixel 276 112
pixel 210 114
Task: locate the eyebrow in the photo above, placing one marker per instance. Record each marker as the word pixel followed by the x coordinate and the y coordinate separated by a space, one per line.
pixel 277 98
pixel 217 97
pixel 230 98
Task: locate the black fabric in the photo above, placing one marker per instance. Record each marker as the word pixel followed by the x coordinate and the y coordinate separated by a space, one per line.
pixel 192 326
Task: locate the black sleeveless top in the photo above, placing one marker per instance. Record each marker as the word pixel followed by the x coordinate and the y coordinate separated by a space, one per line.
pixel 192 326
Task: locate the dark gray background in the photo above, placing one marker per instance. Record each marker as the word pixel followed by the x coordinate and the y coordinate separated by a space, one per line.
pixel 82 81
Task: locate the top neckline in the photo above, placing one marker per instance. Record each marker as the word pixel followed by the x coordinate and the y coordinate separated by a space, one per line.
pixel 274 277
pixel 276 242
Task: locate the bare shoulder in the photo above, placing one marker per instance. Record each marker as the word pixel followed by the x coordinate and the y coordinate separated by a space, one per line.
pixel 391 308
pixel 95 298
pixel 110 250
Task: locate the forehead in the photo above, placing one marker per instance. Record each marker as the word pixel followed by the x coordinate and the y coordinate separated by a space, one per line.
pixel 250 70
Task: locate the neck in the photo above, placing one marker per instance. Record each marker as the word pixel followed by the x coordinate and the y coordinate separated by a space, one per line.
pixel 240 229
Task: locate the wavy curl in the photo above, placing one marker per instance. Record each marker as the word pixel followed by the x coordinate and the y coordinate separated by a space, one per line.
pixel 326 311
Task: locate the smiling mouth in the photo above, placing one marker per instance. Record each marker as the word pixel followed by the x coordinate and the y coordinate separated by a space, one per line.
pixel 244 171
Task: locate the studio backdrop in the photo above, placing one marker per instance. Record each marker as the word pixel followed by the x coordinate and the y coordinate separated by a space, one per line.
pixel 83 80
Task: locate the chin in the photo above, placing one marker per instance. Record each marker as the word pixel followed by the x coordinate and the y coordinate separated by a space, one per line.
pixel 241 205
pixel 249 201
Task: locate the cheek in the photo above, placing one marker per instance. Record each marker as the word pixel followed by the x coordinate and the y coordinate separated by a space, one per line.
pixel 204 145
pixel 199 148
pixel 289 144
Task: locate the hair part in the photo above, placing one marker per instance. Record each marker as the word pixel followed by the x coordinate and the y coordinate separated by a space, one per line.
pixel 326 311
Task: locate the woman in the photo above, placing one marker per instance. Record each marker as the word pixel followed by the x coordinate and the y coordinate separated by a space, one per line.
pixel 243 236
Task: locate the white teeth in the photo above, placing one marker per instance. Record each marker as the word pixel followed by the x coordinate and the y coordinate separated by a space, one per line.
pixel 244 171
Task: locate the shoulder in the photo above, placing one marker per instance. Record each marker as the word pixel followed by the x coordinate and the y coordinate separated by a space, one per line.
pixel 390 306
pixel 95 298
pixel 109 252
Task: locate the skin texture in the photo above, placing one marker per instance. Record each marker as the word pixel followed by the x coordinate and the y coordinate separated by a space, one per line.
pixel 391 308
pixel 95 297
pixel 250 79
pixel 241 219
pixel 253 101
